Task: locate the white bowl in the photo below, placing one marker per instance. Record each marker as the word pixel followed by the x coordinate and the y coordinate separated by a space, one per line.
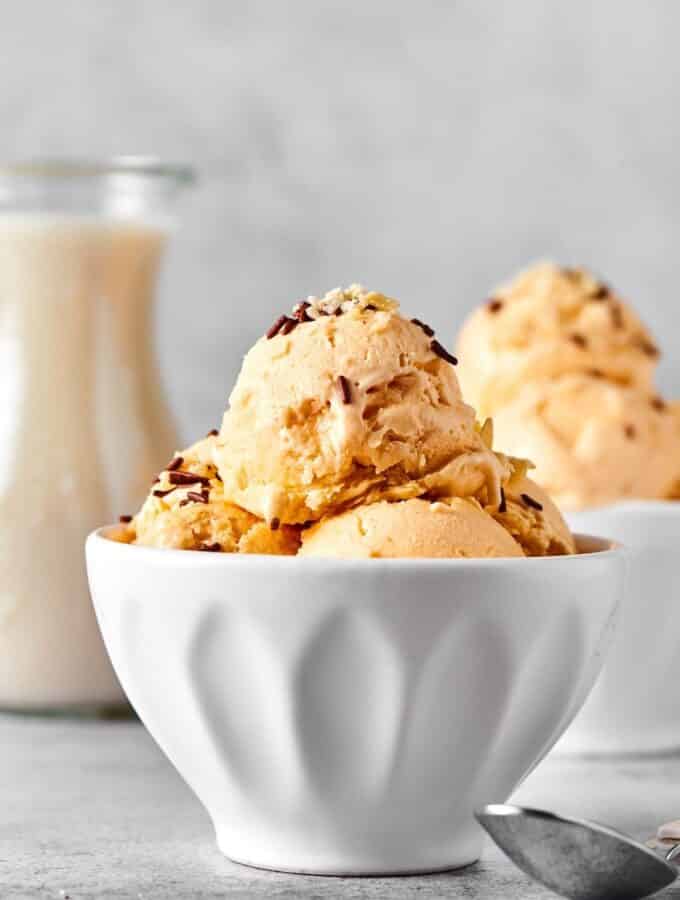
pixel 347 716
pixel 635 706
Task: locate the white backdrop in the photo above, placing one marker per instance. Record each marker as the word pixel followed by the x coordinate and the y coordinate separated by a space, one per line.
pixel 427 149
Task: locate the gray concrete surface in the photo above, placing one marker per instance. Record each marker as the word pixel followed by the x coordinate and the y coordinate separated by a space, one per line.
pixel 93 810
pixel 425 148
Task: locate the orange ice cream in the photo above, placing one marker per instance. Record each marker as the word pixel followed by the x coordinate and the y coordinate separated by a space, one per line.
pixel 550 321
pixel 347 436
pixel 566 369
pixel 347 409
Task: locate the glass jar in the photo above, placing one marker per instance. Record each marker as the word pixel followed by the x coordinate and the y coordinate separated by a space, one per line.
pixel 84 424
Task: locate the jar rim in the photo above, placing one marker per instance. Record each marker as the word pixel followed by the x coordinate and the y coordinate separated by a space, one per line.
pixel 68 167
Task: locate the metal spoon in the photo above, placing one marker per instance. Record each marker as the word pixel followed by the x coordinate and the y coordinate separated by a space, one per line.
pixel 577 859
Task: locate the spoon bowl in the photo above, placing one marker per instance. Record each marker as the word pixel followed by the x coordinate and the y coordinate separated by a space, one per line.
pixel 576 859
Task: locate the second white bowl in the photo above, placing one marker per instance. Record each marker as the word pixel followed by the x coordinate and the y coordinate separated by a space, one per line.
pixel 635 705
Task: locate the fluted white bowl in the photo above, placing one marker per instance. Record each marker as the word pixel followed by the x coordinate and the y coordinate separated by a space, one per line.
pixel 635 705
pixel 347 716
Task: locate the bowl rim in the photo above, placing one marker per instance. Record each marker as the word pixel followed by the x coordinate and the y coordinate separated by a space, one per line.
pixel 606 548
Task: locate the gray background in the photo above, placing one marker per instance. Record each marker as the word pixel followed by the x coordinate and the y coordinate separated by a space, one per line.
pixel 426 149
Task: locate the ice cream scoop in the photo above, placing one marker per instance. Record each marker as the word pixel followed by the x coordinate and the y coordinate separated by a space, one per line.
pixel 526 522
pixel 347 426
pixel 674 411
pixel 528 514
pixel 592 441
pixel 411 528
pixel 187 509
pixel 547 322
pixel 343 402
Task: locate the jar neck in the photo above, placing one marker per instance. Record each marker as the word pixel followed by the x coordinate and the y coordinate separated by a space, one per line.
pixel 119 189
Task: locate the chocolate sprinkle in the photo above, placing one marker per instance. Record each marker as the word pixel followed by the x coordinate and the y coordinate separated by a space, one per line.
pixel 275 523
pixel 426 328
pixel 187 478
pixel 276 327
pixel 203 497
pixel 658 403
pixel 601 292
pixel 529 501
pixel 211 548
pixel 163 493
pixel 371 307
pixel 494 306
pixel 212 433
pixel 344 389
pixel 124 519
pixel 571 274
pixel 629 431
pixel 300 311
pixel 174 464
pixel 288 326
pixel 648 347
pixel 443 353
pixel 579 340
pixel 502 506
